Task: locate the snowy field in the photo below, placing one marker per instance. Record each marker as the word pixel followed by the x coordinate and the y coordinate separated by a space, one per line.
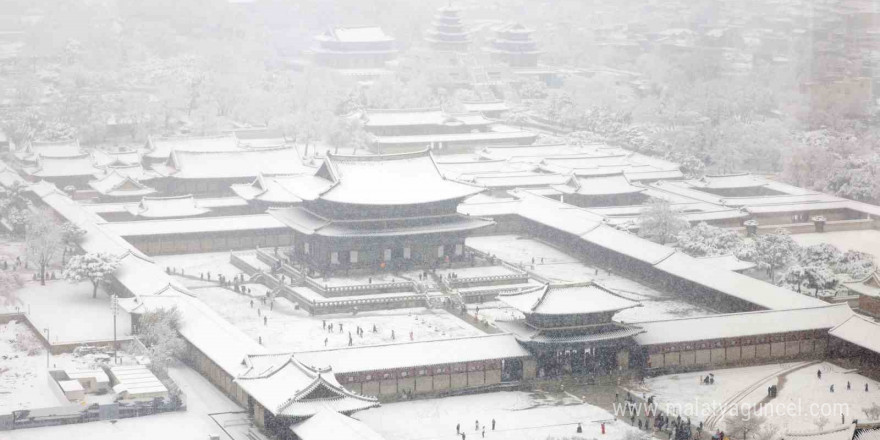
pixel 561 267
pixel 518 416
pixel 288 329
pixel 864 241
pixel 799 389
pixel 70 313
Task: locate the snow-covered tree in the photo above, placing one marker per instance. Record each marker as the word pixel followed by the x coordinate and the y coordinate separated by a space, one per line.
pixel 774 251
pixel 96 267
pixel 158 331
pixel 660 223
pixel 9 283
pixel 855 264
pixel 42 240
pixel 703 240
pixel 816 277
pixel 71 235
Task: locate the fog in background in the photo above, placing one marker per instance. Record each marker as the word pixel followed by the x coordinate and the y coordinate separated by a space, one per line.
pixel 785 87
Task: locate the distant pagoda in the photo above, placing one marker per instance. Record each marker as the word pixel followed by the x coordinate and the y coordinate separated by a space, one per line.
pixel 513 45
pixel 447 33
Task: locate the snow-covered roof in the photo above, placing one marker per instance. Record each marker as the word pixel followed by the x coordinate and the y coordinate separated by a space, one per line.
pixel 71 166
pixel 628 244
pixel 106 158
pixel 59 149
pixel 567 218
pixel 843 432
pixel 393 179
pixel 729 262
pixel 161 148
pixel 566 300
pixel 473 137
pixel 486 106
pixel 868 285
pixel 740 286
pixel 135 171
pixel 860 331
pixel 531 151
pixel 194 225
pixel 287 387
pixel 730 181
pixel 588 226
pixel 283 189
pixel 735 325
pixel 167 207
pixel 363 34
pixel 328 424
pixel 237 164
pixel 308 223
pixel 520 179
pixel 599 186
pixel 116 184
pixel 416 354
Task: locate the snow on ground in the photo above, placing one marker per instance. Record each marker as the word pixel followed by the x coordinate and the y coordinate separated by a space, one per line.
pixel 24 374
pixel 561 267
pixel 800 389
pixel 215 263
pixel 867 241
pixel 70 313
pixel 288 329
pixel 202 398
pixel 23 381
pixel 518 416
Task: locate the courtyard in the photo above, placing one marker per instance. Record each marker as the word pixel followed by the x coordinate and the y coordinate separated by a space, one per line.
pixel 518 416
pixel 802 398
pixel 288 328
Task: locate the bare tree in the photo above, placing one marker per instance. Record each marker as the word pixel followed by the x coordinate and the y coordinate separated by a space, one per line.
pixel 744 426
pixel 42 240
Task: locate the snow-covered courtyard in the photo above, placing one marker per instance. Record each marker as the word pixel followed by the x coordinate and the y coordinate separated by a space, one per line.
pixel 802 398
pixel 517 415
pixel 289 329
pixel 867 241
pixel 69 312
pixel 557 266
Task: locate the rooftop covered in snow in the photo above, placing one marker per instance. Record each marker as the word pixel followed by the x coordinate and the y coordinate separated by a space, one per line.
pixel 391 179
pixel 566 300
pixel 735 325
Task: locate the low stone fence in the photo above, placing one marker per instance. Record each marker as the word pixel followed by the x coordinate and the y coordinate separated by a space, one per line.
pixel 807 228
pixel 360 289
pixel 75 413
pixel 490 280
pixel 58 347
pixel 348 305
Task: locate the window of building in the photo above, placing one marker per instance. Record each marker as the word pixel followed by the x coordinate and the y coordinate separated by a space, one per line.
pixel 459 249
pixel 440 251
pixel 306 248
pixel 353 256
pixel 334 257
pixel 407 253
pixel 386 255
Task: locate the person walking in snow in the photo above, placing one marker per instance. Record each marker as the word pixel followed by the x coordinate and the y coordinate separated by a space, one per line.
pixel 458 428
pixel 819 374
pixel 476 425
pixel 832 388
pixel 493 424
pixel 325 342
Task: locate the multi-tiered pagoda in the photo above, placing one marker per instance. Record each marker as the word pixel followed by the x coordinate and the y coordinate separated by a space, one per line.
pixel 379 212
pixel 447 33
pixel 513 45
pixel 569 328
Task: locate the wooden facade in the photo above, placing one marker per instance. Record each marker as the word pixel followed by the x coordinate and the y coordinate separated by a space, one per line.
pixel 747 350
